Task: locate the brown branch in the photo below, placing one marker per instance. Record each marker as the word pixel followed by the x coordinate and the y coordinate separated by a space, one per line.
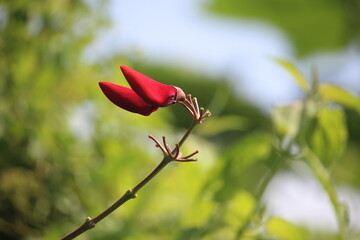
pixel 169 156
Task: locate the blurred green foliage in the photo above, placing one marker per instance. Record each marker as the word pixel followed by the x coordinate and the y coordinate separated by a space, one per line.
pixel 67 153
pixel 285 230
pixel 41 81
pixel 310 25
pixel 317 130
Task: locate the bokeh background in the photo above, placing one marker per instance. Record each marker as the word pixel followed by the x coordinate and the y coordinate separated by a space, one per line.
pixel 67 153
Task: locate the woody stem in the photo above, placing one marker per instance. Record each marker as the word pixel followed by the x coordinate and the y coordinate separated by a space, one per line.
pixel 129 194
pixel 159 167
pixel 188 132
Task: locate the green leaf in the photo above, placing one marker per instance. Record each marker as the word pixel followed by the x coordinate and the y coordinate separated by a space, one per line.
pixel 286 119
pixel 329 135
pixel 339 95
pixel 296 74
pixel 284 230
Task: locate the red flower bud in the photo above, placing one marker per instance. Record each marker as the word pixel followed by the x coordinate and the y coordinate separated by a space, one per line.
pixel 146 95
pixel 126 98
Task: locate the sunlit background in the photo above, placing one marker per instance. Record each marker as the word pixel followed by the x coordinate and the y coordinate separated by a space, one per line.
pixel 185 33
pixel 199 36
pixel 67 153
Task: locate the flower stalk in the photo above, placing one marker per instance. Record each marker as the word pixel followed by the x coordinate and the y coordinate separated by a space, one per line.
pixel 323 177
pixel 170 155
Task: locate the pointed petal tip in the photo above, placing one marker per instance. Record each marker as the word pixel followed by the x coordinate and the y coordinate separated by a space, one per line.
pixel 106 86
pixel 102 85
pixel 125 68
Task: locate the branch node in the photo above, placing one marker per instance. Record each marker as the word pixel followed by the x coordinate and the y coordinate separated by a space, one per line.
pixel 131 193
pixel 89 222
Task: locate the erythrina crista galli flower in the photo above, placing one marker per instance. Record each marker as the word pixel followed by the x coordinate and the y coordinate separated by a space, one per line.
pixel 145 95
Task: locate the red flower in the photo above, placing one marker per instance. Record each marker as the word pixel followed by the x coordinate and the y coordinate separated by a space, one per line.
pixel 145 95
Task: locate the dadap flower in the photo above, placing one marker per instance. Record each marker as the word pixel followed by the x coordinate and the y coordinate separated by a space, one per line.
pixel 145 95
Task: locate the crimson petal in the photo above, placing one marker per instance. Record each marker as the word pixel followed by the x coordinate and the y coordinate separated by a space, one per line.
pixel 126 98
pixel 151 91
